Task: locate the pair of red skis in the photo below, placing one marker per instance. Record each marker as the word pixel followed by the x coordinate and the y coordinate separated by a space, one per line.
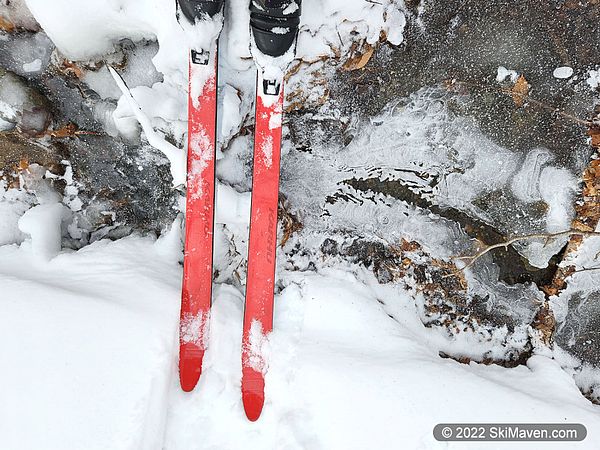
pixel 198 271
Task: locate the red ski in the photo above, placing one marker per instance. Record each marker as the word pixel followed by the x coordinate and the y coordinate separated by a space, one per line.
pixel 196 294
pixel 274 25
pixel 199 219
pixel 258 314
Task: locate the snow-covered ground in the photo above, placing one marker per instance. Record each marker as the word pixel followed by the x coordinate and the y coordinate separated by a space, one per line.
pixel 89 345
pixel 88 339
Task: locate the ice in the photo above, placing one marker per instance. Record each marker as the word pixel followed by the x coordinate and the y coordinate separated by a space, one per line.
pixel 139 71
pixel 102 322
pixel 13 98
pixel 526 183
pixel 16 12
pixel 33 66
pixel 394 24
pixel 563 72
pixel 558 187
pixel 21 55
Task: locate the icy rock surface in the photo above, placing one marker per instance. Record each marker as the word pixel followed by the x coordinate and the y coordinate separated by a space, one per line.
pixel 526 158
pixel 54 119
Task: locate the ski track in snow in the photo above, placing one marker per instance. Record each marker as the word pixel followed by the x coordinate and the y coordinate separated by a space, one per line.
pixel 343 374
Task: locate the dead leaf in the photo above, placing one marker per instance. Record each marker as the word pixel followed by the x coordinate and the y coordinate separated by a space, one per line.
pixel 594 133
pixel 69 130
pixel 70 68
pixel 289 222
pixel 545 323
pixel 6 25
pixel 23 164
pixel 520 91
pixel 359 60
pixel 409 246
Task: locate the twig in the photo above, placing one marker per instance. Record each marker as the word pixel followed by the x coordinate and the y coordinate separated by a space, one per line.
pixel 546 236
pixel 525 97
pixel 586 269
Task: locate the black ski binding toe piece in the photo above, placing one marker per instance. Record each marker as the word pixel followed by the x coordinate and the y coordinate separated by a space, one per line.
pixel 271 87
pixel 274 24
pixel 202 57
pixel 198 9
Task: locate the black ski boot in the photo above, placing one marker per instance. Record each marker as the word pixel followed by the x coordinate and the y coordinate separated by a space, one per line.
pixel 197 9
pixel 274 24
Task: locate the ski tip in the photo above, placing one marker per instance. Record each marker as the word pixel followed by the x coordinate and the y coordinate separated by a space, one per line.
pixel 190 366
pixel 253 393
pixel 253 404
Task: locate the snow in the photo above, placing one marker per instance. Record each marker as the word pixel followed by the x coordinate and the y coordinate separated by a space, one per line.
pixel 44 224
pixel 33 66
pixel 202 149
pixel 563 72
pixel 230 112
pixel 256 349
pixel 504 73
pixel 266 150
pixel 101 324
pixel 194 329
pixel 13 204
pixel 175 155
pixel 87 349
pixel 593 79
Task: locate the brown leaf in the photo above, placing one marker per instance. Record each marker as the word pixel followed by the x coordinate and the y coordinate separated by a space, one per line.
pixel 289 222
pixel 23 164
pixel 359 60
pixel 69 68
pixel 409 246
pixel 6 25
pixel 545 323
pixel 69 130
pixel 594 133
pixel 520 91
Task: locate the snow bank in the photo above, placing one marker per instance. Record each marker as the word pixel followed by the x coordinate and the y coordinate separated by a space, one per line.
pixel 87 347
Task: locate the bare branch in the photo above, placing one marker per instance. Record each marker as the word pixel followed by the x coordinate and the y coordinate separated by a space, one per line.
pixel 547 236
